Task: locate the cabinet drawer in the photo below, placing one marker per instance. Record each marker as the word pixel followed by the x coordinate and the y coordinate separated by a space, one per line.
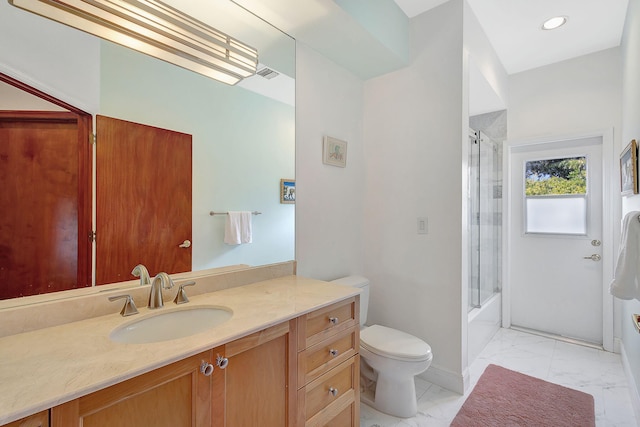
pixel 319 358
pixel 320 324
pixel 350 416
pixel 319 405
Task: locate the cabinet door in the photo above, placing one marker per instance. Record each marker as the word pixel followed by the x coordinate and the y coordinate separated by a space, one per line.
pixel 173 396
pixel 41 419
pixel 260 378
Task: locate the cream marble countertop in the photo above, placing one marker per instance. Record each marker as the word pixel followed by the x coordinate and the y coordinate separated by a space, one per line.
pixel 47 367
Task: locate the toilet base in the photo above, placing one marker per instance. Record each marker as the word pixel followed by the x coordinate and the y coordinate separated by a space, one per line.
pixel 393 397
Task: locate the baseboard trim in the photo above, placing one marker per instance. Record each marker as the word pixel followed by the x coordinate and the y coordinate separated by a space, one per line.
pixel 634 393
pixel 445 378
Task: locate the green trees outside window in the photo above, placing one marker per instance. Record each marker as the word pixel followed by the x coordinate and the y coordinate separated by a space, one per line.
pixel 556 177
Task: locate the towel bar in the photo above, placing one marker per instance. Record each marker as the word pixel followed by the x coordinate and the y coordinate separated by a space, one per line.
pixel 212 213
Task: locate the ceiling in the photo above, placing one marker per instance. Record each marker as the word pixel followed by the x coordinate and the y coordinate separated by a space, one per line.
pixel 335 29
pixel 513 28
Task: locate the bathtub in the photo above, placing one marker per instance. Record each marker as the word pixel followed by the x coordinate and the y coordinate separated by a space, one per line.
pixel 484 322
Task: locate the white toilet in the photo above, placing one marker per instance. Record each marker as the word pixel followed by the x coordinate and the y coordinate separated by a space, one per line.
pixel 389 361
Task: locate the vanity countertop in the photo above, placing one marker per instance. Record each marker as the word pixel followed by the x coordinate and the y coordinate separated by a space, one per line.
pixel 46 367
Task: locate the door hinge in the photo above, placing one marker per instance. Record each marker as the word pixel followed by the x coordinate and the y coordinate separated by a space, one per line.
pixel 92 236
pixel 92 138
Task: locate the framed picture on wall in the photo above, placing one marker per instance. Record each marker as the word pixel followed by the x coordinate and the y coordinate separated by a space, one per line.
pixel 334 152
pixel 288 191
pixel 629 169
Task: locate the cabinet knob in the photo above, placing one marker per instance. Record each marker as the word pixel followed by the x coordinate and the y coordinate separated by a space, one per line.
pixel 333 320
pixel 333 352
pixel 222 362
pixel 333 391
pixel 206 368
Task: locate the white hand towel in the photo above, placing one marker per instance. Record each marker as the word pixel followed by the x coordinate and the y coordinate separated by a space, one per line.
pixel 625 279
pixel 237 228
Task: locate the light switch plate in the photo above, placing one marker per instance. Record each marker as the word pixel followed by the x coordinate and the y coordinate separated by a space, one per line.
pixel 423 225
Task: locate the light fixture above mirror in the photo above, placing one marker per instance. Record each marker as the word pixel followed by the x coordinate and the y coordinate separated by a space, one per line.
pixel 156 29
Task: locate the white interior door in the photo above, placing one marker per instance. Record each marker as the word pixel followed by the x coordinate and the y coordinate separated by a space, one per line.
pixel 555 247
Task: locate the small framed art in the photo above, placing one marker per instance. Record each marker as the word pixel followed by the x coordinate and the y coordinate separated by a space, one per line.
pixel 287 191
pixel 629 169
pixel 334 152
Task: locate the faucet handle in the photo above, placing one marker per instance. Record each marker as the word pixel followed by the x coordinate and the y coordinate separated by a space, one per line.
pixel 129 307
pixel 181 296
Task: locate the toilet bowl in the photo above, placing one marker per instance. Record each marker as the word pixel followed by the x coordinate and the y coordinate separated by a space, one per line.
pixel 390 359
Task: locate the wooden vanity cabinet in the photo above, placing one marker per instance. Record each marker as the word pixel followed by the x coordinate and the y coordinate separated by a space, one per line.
pixel 259 380
pixel 329 366
pixel 41 419
pixel 175 395
pixel 302 372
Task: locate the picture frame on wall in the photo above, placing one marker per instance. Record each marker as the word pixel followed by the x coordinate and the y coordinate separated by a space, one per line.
pixel 334 152
pixel 287 191
pixel 629 169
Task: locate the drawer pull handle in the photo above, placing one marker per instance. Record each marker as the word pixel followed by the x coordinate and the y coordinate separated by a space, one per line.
pixel 333 320
pixel 333 352
pixel 333 391
pixel 206 369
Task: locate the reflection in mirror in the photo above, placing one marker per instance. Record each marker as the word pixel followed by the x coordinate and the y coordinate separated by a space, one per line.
pixel 242 136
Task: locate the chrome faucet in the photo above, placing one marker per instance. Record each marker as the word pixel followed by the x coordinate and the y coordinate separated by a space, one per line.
pixel 141 272
pixel 160 282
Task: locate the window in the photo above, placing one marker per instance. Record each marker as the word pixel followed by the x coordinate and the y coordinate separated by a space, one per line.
pixel 556 196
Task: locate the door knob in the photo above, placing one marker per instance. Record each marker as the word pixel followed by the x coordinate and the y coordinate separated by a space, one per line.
pixel 185 244
pixel 594 257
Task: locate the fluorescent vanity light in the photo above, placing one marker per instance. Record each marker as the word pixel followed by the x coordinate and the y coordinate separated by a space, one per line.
pixel 555 22
pixel 156 29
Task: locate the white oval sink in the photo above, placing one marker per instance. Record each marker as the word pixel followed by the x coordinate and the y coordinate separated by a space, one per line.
pixel 171 324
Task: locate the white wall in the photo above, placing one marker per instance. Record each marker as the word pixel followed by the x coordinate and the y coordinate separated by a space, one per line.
pixel 631 130
pixel 484 57
pixel 413 131
pixel 577 95
pixel 329 201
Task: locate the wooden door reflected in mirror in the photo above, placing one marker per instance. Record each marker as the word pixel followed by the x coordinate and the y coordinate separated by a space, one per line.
pixel 143 206
pixel 45 202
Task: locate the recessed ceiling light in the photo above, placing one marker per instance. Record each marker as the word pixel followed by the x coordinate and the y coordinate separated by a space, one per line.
pixel 555 22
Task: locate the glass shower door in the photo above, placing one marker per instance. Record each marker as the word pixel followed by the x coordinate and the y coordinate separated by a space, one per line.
pixel 485 204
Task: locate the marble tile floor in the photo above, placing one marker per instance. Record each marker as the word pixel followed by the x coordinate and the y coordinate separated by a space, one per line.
pixel 593 371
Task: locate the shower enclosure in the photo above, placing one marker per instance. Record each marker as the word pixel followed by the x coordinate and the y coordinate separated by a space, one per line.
pixel 485 213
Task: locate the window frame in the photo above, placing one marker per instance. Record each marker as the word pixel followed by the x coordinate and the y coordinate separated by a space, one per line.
pixel 586 196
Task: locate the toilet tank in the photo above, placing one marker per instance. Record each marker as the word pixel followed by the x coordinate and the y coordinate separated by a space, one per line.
pixel 362 283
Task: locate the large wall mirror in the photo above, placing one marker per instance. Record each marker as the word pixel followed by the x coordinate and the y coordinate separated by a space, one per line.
pixel 243 136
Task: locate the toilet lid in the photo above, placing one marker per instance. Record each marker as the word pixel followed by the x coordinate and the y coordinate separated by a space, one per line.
pixel 394 344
